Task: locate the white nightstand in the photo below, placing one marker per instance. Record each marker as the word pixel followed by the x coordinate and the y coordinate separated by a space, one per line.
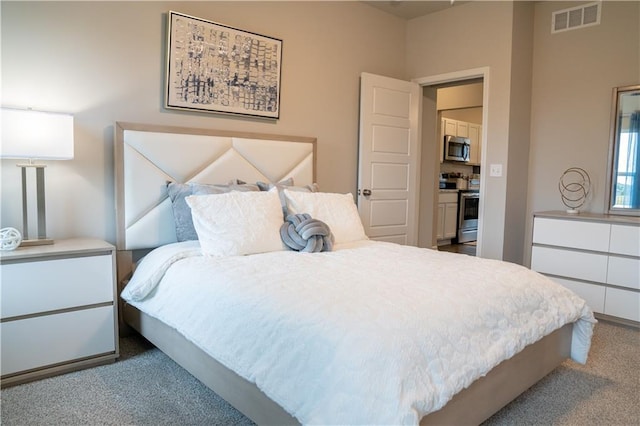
pixel 58 309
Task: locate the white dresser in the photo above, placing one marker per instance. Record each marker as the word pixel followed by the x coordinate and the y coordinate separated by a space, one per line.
pixel 596 256
pixel 58 309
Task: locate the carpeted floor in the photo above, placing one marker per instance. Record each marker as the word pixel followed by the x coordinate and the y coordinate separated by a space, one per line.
pixel 146 388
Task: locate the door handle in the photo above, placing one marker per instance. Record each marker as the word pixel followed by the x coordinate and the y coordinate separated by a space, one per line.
pixel 366 192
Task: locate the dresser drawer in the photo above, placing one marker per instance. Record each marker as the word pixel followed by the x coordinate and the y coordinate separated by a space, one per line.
pixel 625 239
pixel 623 304
pixel 593 294
pixel 47 285
pixel 624 271
pixel 572 233
pixel 40 342
pixel 569 263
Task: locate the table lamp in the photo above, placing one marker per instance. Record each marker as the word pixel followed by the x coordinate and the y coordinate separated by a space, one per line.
pixel 35 135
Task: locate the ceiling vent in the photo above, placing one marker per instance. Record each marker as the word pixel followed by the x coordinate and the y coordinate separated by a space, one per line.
pixel 582 16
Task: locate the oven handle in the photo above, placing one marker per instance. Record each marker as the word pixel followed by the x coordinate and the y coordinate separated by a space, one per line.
pixel 470 195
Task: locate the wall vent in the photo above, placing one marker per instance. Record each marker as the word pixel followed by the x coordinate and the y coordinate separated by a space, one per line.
pixel 573 18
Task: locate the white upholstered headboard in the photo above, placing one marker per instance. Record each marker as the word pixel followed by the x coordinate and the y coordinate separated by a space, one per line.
pixel 148 156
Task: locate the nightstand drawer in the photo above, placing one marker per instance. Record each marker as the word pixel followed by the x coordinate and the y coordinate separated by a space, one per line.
pixel 48 285
pixel 40 342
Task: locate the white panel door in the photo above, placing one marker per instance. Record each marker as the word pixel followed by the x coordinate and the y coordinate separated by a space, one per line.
pixel 388 158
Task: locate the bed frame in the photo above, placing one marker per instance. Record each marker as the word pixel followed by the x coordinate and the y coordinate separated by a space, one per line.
pixel 145 159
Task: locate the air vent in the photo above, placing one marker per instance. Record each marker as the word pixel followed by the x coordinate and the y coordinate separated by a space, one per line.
pixel 576 17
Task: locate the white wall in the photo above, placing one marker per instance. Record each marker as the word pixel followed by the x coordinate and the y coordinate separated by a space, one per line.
pixel 104 62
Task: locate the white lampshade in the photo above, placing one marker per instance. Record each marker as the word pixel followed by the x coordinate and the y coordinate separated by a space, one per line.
pixel 34 135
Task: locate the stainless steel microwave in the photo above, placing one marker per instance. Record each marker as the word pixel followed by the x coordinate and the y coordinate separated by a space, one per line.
pixel 457 148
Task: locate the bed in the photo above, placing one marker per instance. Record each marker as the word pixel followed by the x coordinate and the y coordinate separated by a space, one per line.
pixel 353 334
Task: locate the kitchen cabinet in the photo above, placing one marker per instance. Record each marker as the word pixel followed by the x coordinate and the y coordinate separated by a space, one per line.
pixel 447 215
pixel 475 138
pixel 596 256
pixel 449 126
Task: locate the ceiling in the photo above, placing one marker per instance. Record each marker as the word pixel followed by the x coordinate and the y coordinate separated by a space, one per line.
pixel 409 9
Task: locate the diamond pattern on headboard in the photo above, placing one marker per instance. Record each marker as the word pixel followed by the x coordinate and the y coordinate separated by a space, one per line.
pixel 148 156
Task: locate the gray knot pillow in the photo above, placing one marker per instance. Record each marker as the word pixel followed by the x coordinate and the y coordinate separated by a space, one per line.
pixel 301 232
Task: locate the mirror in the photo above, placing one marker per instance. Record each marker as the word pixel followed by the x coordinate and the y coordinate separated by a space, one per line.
pixel 623 186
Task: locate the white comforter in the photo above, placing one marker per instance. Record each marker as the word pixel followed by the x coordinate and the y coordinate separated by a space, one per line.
pixel 374 333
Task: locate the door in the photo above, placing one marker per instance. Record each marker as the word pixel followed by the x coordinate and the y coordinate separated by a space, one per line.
pixel 388 159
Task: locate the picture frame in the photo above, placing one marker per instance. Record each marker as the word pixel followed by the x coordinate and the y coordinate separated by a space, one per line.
pixel 211 67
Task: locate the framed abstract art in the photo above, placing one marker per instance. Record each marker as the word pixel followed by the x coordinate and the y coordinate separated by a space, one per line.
pixel 220 69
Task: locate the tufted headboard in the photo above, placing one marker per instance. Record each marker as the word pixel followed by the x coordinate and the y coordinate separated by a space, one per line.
pixel 149 156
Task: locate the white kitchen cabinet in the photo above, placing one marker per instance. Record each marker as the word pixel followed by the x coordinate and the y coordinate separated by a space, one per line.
pixel 475 138
pixel 59 310
pixel 596 256
pixel 449 126
pixel 462 129
pixel 447 215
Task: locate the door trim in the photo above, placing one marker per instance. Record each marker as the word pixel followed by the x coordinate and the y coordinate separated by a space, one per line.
pixel 461 75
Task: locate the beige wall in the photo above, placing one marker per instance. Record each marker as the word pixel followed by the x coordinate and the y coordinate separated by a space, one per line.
pixel 483 41
pixel 462 96
pixel 104 62
pixel 470 115
pixel 574 73
pixel 519 132
pixel 549 100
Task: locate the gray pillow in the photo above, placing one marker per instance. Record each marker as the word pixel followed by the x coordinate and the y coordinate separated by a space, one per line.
pixel 288 184
pixel 181 211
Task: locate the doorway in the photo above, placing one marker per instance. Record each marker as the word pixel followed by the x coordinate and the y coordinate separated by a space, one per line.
pixel 432 144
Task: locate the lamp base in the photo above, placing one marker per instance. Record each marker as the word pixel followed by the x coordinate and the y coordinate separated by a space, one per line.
pixel 36 242
pixel 40 206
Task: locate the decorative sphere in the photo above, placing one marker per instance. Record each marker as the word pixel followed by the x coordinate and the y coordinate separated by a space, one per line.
pixel 10 238
pixel 574 187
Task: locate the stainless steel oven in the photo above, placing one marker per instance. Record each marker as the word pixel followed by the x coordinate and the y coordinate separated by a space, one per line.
pixel 468 205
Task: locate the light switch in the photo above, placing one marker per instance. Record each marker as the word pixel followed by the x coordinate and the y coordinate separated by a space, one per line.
pixel 495 170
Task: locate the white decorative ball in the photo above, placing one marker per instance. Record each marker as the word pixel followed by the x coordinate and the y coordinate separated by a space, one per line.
pixel 10 238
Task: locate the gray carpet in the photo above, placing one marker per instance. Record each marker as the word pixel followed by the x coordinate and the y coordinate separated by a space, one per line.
pixel 146 388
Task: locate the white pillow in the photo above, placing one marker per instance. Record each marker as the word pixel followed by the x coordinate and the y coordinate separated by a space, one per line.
pixel 336 210
pixel 237 223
